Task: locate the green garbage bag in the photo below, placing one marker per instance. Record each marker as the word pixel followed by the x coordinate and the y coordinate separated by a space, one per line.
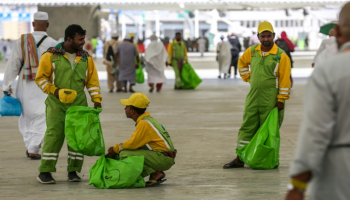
pixel 109 173
pixel 262 152
pixel 83 130
pixel 189 78
pixel 140 76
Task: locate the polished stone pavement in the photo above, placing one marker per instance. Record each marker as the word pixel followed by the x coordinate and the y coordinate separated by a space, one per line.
pixel 203 125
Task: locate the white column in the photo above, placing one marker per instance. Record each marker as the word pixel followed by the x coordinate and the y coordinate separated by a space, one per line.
pixel 123 20
pixel 149 31
pixel 140 27
pixel 157 23
pixel 196 24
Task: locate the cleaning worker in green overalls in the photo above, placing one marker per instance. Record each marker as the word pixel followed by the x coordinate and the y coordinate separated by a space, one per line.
pixel 177 52
pixel 269 78
pixel 63 73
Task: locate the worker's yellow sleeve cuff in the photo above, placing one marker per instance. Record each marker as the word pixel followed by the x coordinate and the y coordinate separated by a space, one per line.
pixel 248 80
pixel 281 100
pixel 96 100
pixel 116 148
pixel 53 89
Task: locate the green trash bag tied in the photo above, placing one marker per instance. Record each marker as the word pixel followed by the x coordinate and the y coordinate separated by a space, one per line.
pixel 140 76
pixel 83 130
pixel 262 152
pixel 189 78
pixel 110 173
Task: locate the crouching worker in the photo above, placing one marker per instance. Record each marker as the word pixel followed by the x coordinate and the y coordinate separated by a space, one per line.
pixel 150 140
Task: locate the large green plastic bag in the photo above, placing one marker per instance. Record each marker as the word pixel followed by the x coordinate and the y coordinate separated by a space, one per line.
pixel 109 173
pixel 189 78
pixel 83 130
pixel 262 152
pixel 140 76
pixel 10 106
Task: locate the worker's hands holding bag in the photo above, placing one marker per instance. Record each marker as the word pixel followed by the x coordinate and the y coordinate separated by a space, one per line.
pixel 111 153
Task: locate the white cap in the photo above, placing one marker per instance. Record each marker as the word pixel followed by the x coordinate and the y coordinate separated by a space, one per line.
pixel 41 16
pixel 115 34
pixel 127 37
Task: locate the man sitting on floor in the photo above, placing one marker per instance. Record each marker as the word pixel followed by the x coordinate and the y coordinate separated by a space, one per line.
pixel 150 140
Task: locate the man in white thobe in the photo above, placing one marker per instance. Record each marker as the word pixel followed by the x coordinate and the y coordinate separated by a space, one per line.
pixel 224 56
pixel 155 59
pixel 201 45
pixel 327 49
pixel 32 123
pixel 322 153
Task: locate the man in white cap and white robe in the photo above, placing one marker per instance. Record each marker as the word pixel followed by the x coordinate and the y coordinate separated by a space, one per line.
pixel 23 63
pixel 155 59
pixel 125 55
pixel 224 56
pixel 108 54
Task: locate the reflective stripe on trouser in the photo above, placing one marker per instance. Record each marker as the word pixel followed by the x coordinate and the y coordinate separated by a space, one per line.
pixel 54 138
pixel 154 161
pixel 259 103
pixel 177 70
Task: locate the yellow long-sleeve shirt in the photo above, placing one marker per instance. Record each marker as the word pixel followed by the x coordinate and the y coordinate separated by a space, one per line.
pixel 145 134
pixel 171 53
pixel 45 74
pixel 282 73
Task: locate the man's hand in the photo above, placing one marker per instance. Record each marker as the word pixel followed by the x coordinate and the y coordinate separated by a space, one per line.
pixel 280 105
pixel 294 195
pixel 313 65
pixel 111 153
pixel 57 93
pixel 7 93
pixel 137 66
pixel 166 64
pixel 97 105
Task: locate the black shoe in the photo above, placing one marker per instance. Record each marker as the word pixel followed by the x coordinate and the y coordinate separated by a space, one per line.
pixel 110 91
pixel 119 90
pixel 73 177
pixel 27 154
pixel 45 178
pixel 178 88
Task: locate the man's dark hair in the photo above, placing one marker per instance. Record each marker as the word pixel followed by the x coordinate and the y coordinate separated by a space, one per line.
pixel 139 111
pixel 72 30
pixel 177 33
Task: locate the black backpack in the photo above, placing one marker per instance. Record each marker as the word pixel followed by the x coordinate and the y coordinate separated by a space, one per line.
pixel 110 54
pixel 283 45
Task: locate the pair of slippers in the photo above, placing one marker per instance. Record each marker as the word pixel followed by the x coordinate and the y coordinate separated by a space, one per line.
pixel 156 182
pixel 32 158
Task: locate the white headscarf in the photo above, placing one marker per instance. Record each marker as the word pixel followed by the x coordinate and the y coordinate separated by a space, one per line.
pixel 153 38
pixel 156 54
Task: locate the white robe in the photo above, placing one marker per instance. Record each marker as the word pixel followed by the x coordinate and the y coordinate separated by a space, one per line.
pixel 326 51
pixel 326 122
pixel 224 56
pixel 155 58
pixel 201 45
pixel 32 123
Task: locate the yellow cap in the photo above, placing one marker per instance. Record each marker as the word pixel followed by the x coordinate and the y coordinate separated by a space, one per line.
pixel 67 95
pixel 138 100
pixel 131 34
pixel 265 26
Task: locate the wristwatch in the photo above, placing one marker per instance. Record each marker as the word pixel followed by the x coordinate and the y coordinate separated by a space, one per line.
pixel 292 187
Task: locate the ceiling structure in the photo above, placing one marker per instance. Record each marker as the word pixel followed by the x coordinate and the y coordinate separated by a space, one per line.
pixel 181 4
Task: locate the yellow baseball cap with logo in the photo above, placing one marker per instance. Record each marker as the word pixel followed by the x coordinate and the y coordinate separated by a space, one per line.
pixel 265 26
pixel 67 95
pixel 131 34
pixel 138 100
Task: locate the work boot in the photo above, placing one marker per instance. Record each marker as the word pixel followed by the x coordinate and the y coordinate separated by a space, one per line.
pixel 45 178
pixel 73 177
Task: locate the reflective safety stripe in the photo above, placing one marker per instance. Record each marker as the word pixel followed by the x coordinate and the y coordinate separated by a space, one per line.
pixel 244 69
pixel 50 154
pixel 284 93
pixel 275 72
pixel 53 66
pixel 43 86
pixel 48 158
pixel 75 158
pixel 160 135
pixel 244 73
pixel 149 147
pixel 95 93
pixel 121 146
pixel 75 153
pixel 284 88
pixel 240 145
pixel 242 141
pixel 43 81
pixel 94 88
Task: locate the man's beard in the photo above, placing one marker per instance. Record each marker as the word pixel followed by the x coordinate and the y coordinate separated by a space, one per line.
pixel 266 44
pixel 74 46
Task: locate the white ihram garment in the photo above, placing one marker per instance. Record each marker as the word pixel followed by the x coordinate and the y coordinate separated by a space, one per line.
pixel 32 123
pixel 224 56
pixel 155 58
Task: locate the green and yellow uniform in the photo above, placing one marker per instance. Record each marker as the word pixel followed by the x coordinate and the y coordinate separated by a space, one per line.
pixel 177 52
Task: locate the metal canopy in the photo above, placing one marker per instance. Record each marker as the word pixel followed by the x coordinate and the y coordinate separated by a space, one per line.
pixel 179 4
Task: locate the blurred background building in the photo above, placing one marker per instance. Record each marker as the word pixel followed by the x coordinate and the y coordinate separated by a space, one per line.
pixel 194 18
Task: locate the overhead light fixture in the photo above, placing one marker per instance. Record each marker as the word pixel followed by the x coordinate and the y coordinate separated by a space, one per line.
pixel 182 5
